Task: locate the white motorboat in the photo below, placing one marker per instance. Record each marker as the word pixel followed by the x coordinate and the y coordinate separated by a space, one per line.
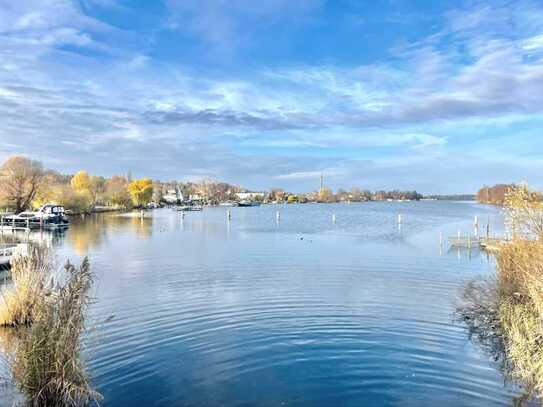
pixel 49 216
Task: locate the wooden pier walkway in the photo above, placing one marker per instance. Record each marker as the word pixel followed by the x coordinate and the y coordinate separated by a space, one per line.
pixel 9 223
pixel 485 243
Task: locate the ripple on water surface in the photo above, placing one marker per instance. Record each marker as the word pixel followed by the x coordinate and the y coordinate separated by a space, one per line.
pixel 304 313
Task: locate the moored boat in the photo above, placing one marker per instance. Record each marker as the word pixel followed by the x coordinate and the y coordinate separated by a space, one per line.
pixel 248 203
pixel 48 216
pixel 189 208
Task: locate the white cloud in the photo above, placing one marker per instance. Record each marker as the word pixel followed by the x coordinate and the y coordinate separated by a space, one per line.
pixel 131 107
pixel 533 43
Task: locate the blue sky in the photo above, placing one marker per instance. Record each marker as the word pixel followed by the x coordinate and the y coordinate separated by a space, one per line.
pixel 438 96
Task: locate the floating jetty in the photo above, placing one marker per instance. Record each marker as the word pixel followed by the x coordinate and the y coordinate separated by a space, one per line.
pixel 492 244
pixel 485 243
pixel 467 241
pixel 11 225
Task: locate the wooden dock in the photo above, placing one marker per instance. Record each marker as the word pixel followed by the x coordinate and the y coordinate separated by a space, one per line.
pixel 484 243
pixel 464 241
pixel 492 244
pixel 11 224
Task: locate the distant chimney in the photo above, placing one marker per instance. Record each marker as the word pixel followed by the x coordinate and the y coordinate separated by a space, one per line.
pixel 322 182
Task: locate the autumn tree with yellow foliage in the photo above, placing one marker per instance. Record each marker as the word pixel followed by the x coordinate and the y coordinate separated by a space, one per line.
pixel 116 192
pixel 81 182
pixel 141 191
pixel 20 181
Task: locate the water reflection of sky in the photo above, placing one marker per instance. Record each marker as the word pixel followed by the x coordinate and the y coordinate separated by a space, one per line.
pixel 304 312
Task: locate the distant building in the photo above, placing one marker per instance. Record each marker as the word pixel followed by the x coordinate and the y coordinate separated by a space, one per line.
pixel 173 196
pixel 196 197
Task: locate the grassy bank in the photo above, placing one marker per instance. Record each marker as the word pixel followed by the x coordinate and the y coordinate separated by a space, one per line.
pixel 505 314
pixel 520 289
pixel 47 319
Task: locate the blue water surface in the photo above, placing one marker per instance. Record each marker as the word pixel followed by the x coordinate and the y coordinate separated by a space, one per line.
pixel 199 311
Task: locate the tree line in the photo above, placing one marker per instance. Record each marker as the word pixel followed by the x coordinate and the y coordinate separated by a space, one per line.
pixel 494 195
pixel 326 195
pixel 497 194
pixel 25 184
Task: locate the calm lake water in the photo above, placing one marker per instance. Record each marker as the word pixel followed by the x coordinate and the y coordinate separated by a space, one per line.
pixel 306 312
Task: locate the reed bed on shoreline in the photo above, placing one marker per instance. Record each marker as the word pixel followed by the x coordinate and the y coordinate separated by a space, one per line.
pixel 505 314
pixel 520 277
pixel 20 302
pixel 520 287
pixel 47 321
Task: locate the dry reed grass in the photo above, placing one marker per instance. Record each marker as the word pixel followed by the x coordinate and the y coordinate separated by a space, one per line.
pixel 506 314
pixel 47 323
pixel 520 272
pixel 48 366
pixel 20 301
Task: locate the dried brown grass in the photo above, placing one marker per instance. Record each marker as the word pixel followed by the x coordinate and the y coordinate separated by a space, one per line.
pixel 47 323
pixel 48 366
pixel 21 300
pixel 520 276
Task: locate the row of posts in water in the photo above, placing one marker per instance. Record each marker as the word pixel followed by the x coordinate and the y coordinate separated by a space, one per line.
pixel 399 221
pixel 278 217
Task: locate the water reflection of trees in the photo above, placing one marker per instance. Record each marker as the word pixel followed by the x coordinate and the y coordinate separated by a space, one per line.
pixel 91 231
pixel 478 308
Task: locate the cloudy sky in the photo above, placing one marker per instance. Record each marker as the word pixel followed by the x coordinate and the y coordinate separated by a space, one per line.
pixel 438 96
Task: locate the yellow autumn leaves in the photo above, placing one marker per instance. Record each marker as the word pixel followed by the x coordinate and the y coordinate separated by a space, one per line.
pixel 141 191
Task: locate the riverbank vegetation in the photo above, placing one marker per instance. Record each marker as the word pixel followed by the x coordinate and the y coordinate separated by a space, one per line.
pixel 508 314
pixel 25 184
pixel 20 303
pixel 47 321
pixel 520 278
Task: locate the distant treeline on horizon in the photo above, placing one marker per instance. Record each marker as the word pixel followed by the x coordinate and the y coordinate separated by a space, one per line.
pixel 25 184
pixel 494 195
pixel 497 194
